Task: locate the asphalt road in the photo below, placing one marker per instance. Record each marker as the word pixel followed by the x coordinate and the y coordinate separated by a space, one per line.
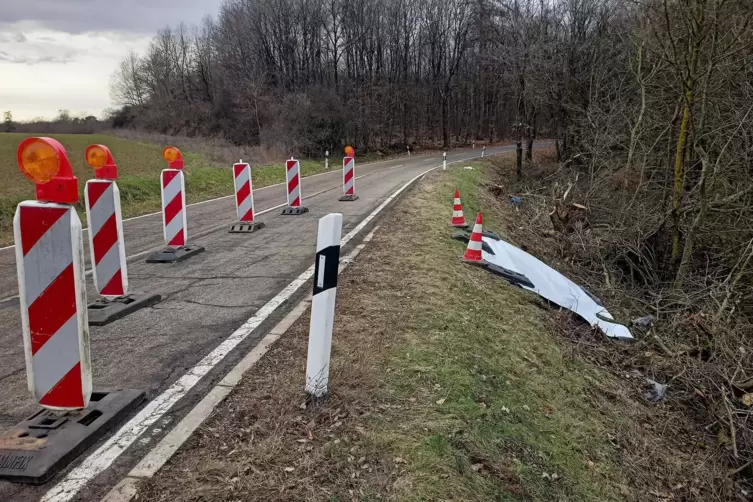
pixel 204 299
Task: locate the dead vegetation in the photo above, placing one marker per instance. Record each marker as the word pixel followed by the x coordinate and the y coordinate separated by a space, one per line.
pixel 694 338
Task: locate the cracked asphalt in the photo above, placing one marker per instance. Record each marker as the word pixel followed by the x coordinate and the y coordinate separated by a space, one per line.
pixel 204 299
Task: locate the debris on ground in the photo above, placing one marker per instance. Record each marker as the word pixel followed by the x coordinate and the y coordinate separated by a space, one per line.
pixel 645 323
pixel 535 275
pixel 658 391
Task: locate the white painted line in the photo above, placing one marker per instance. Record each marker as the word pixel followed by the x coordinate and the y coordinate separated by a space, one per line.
pixel 127 488
pixel 105 455
pixel 395 167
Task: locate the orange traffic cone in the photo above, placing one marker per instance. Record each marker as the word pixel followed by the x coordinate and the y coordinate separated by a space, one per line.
pixel 458 220
pixel 473 251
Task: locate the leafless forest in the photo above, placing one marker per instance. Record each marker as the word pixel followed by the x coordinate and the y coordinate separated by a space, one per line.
pixel 650 103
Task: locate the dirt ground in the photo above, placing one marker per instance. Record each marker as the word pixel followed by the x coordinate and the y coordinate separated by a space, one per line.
pixel 447 384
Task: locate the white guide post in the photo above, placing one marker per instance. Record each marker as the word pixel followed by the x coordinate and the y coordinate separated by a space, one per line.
pixel 323 304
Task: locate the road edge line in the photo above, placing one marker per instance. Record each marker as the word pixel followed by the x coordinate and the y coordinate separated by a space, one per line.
pixel 153 461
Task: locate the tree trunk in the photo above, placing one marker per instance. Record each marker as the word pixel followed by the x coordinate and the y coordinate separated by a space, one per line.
pixel 682 140
pixel 445 125
pixel 529 143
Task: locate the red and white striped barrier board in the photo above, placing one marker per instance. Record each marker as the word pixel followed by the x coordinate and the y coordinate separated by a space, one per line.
pixel 174 208
pixel 52 292
pixel 244 195
pixel 244 200
pixel 106 238
pixel 349 182
pixel 293 178
pixel 51 283
pixel 174 226
pixel 349 179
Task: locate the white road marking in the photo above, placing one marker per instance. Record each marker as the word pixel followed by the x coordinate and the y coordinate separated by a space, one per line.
pixel 127 488
pixel 105 455
pixel 395 167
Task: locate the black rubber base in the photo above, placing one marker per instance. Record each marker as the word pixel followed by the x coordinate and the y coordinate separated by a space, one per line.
pixel 295 210
pixel 174 255
pixel 35 450
pixel 466 236
pixel 105 311
pixel 246 228
pixel 510 276
pixel 482 263
pixel 348 198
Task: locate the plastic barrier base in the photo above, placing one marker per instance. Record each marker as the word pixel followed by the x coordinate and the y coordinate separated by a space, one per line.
pixel 174 255
pixel 104 311
pixel 348 198
pixel 510 276
pixel 35 450
pixel 295 210
pixel 246 228
pixel 482 263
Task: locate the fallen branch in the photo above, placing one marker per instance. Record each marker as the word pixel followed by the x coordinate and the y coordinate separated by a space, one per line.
pixel 732 434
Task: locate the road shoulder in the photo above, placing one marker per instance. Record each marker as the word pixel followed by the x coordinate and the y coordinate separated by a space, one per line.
pixel 447 384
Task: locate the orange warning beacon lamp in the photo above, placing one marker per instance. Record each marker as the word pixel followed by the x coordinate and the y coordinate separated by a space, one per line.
pixel 100 158
pixel 349 151
pixel 44 161
pixel 173 157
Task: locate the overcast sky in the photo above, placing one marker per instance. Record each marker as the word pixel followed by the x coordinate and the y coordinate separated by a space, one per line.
pixel 59 54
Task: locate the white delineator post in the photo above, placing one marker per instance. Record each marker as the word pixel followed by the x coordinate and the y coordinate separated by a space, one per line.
pixel 323 304
pixel 444 161
pixel 106 238
pixel 483 152
pixel 326 160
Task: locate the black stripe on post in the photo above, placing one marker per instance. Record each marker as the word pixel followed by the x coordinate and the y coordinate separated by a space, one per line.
pixel 326 278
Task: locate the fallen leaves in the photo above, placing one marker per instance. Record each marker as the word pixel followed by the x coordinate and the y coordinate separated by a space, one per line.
pixel 747 400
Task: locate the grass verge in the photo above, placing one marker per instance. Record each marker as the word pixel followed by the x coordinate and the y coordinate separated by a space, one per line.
pixel 447 384
pixel 139 166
